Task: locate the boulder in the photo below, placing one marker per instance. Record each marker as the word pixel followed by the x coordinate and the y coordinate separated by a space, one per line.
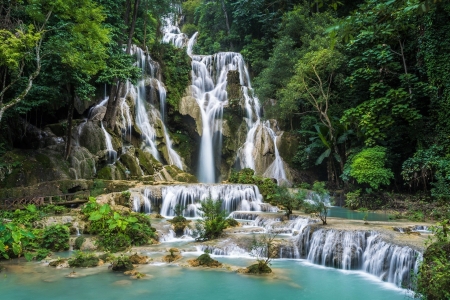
pixel 137 259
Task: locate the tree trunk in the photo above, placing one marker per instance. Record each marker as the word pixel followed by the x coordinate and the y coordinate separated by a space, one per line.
pixel 71 100
pixel 116 88
pixel 226 21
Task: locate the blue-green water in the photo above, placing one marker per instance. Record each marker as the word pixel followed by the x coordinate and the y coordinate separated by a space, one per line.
pixel 293 280
pixel 340 212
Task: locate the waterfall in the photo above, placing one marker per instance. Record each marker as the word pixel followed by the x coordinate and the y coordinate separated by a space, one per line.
pixel 355 250
pixel 146 114
pixel 209 83
pixel 234 197
pixel 112 154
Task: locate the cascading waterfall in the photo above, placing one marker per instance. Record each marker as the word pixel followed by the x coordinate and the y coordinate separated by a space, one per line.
pixel 112 154
pixel 355 250
pixel 147 114
pixel 209 82
pixel 234 197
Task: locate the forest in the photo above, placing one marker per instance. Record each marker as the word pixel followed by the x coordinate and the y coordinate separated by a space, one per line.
pixel 360 89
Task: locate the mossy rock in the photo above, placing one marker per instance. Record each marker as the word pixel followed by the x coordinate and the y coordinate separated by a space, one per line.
pixel 30 167
pixel 91 137
pixel 79 242
pixel 58 129
pixel 205 260
pixel 131 164
pixel 179 224
pixel 82 260
pixel 146 161
pixel 122 264
pixel 259 268
pixel 105 173
pixel 139 259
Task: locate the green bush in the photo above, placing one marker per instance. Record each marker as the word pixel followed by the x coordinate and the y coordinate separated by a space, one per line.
pixel 56 238
pixel 189 29
pixel 40 254
pixel 368 166
pixel 213 223
pixel 78 242
pixel 83 260
pixel 122 263
pixel 352 199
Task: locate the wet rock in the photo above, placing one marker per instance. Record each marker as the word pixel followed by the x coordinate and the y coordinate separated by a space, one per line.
pixel 204 260
pixel 97 113
pixel 137 259
pixel 59 263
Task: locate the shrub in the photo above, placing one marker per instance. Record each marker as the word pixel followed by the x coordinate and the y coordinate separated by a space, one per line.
pixel 56 238
pixel 122 263
pixel 79 242
pixel 213 222
pixel 368 166
pixel 352 199
pixel 84 260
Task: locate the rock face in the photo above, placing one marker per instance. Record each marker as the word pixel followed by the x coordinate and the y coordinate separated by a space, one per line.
pixel 189 106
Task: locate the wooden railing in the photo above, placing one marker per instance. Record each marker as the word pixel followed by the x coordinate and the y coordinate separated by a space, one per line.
pixel 63 199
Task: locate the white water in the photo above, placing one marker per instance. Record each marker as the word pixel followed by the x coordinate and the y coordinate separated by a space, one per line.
pixel 234 197
pixel 112 154
pixel 147 116
pixel 209 82
pixel 356 250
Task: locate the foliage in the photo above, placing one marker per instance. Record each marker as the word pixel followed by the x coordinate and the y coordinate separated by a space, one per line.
pixel 15 240
pixel 79 242
pixel 288 199
pixel 56 238
pixel 213 220
pixel 122 263
pixel 433 280
pixel 368 166
pixel 117 230
pixel 266 186
pixel 54 209
pixel 318 204
pixel 176 70
pixel 265 250
pixel 352 199
pixel 83 260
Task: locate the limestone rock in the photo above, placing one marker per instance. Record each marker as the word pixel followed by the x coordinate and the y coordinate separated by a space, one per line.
pixel 97 113
pixel 137 259
pixel 189 106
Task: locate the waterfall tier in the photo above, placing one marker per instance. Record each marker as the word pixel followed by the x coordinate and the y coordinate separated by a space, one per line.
pixel 234 197
pixel 355 250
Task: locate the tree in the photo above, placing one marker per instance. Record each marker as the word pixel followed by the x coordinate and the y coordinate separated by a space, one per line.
pixel 319 202
pixel 265 250
pixel 213 220
pixel 312 83
pixel 368 166
pixel 290 201
pixel 20 47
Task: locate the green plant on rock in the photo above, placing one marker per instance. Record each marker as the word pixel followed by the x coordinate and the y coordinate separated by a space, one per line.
pixel 79 242
pixel 288 199
pixel 122 263
pixel 265 250
pixel 15 240
pixel 56 238
pixel 213 222
pixel 433 281
pixel 83 260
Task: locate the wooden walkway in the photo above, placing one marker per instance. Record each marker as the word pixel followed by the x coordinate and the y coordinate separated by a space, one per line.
pixel 64 199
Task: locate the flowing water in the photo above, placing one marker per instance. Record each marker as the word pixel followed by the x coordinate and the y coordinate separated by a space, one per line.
pixel 209 84
pixel 293 280
pixel 147 115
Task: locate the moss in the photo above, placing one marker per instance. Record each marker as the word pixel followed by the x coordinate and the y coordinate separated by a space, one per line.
pixel 173 171
pixel 145 161
pixel 84 260
pixel 176 69
pixel 186 177
pixel 79 242
pixel 184 146
pixel 59 129
pixel 259 268
pixel 122 264
pixel 206 261
pixel 105 173
pixel 131 164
